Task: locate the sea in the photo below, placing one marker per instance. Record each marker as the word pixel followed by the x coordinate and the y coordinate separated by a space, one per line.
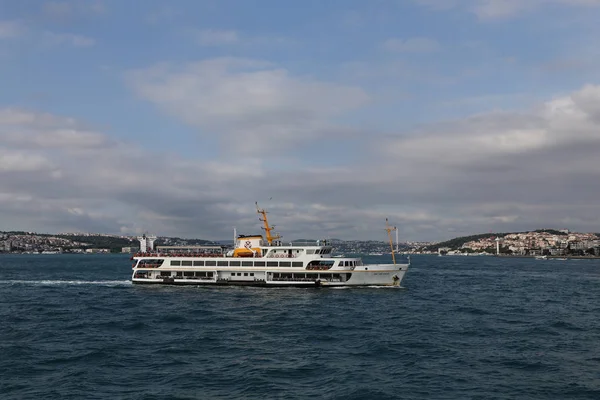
pixel 74 327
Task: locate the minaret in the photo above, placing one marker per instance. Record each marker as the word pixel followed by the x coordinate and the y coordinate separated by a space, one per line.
pixel 498 240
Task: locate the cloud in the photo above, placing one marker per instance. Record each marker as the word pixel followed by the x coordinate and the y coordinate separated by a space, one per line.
pixel 212 37
pixel 411 45
pixel 501 9
pixel 12 161
pixel 58 165
pixel 164 14
pixel 531 161
pixel 496 171
pixel 57 39
pixel 224 38
pixel 251 103
pixel 69 9
pixel 11 29
pixel 17 29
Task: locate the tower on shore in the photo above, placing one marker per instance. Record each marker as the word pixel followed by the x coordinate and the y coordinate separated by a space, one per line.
pixel 146 242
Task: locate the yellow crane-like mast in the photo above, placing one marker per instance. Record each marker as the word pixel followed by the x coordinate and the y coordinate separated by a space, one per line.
pixel 389 230
pixel 267 227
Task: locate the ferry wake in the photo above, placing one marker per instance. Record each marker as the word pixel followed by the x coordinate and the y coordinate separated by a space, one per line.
pixel 258 261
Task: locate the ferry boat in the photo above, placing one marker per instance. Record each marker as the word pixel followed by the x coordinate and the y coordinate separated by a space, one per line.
pixel 260 261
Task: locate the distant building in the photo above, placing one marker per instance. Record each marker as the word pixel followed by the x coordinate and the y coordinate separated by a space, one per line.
pixel 129 249
pixel 95 251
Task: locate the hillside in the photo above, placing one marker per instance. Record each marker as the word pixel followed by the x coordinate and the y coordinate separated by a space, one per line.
pixel 457 243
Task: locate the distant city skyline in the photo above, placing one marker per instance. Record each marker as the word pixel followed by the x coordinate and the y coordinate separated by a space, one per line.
pixel 449 118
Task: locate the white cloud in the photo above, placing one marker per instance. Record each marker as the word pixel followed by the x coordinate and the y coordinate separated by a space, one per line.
pixel 499 9
pixel 164 14
pixel 27 129
pixel 411 45
pixel 68 9
pixel 11 29
pixel 501 170
pixel 15 161
pixel 52 38
pixel 251 103
pixel 212 37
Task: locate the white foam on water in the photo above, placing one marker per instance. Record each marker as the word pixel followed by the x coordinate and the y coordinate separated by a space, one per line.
pixel 65 283
pixel 366 287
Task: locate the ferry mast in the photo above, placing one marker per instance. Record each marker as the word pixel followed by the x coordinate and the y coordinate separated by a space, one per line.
pixel 268 228
pixel 389 232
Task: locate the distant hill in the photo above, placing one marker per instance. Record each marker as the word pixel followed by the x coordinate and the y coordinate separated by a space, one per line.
pixel 459 241
pixel 550 231
pixel 102 242
pixel 176 241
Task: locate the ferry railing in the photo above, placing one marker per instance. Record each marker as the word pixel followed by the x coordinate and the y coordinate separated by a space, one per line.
pixel 309 243
pixel 178 255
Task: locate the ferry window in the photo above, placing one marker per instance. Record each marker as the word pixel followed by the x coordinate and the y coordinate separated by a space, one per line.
pixel 186 263
pixel 251 273
pixel 247 263
pixel 198 263
pixel 285 264
pixel 222 263
pixel 175 263
pixel 245 274
pixel 211 263
pixel 200 273
pixel 272 264
pixel 310 251
pixel 297 264
pixel 234 263
pixel 210 274
pixel 352 264
pixel 259 263
pixel 188 273
pixel 239 274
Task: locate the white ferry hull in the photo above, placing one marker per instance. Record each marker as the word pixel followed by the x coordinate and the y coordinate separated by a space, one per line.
pixel 369 275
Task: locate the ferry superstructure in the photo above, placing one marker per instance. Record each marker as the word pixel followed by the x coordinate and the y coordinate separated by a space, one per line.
pixel 258 261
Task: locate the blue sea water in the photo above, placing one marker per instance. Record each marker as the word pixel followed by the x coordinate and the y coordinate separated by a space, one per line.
pixel 73 327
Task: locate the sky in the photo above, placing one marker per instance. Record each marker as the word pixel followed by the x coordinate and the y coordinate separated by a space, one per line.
pixel 448 117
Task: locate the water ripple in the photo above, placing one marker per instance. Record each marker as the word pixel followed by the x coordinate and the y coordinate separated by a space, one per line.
pixel 479 328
